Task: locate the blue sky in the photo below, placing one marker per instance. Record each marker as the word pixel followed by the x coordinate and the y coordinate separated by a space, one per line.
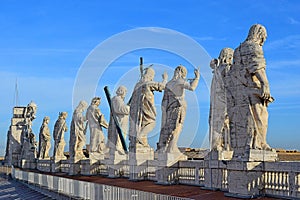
pixel 44 44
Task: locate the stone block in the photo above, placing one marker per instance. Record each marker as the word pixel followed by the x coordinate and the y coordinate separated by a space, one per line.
pixel 169 159
pixel 167 175
pixel 262 155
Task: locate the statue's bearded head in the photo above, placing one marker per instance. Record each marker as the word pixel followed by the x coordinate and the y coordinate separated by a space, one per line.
pixel 63 115
pixel 82 105
pixel 149 74
pixel 96 101
pixel 180 72
pixel 226 56
pixel 46 119
pixel 257 34
pixel 121 91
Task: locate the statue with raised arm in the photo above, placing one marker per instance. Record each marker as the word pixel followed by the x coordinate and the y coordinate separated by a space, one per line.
pixel 44 136
pixel 174 109
pixel 252 94
pixel 60 128
pixel 218 116
pixel 96 122
pixel 121 112
pixel 77 132
pixel 142 109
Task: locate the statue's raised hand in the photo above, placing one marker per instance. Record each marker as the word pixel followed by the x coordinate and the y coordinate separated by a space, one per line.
pixel 197 73
pixel 165 76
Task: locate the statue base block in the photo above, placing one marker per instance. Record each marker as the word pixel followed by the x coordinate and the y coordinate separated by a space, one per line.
pixel 44 165
pixel 169 159
pixel 219 155
pixel 95 156
pixel 245 179
pixel 117 165
pixel 28 164
pixel 262 155
pixel 138 163
pixel 258 155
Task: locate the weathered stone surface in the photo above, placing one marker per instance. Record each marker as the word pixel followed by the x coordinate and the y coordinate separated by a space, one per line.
pixel 45 140
pixel 250 95
pixel 77 133
pixel 21 143
pixel 218 116
pixel 219 155
pixel 121 112
pixel 142 109
pixel 60 128
pixel 173 114
pixel 96 122
pixel 28 141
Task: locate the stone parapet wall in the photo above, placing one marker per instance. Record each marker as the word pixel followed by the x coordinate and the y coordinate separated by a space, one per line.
pixel 237 178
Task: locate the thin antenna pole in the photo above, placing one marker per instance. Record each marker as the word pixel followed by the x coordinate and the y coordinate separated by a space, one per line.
pixel 16 99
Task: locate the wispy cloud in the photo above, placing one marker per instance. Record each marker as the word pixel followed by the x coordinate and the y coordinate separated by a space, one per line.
pixel 208 38
pixel 293 21
pixel 284 64
pixel 289 42
pixel 40 51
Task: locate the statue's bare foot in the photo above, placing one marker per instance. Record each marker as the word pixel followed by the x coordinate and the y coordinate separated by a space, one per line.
pixel 266 147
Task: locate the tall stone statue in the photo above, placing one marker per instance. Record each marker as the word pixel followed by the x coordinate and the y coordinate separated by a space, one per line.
pixel 249 118
pixel 77 132
pixel 142 109
pixel 44 136
pixel 121 112
pixel 96 121
pixel 174 109
pixel 28 138
pixel 218 116
pixel 60 128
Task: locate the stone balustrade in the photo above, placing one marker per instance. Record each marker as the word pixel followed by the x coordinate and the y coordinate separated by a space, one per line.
pixel 275 179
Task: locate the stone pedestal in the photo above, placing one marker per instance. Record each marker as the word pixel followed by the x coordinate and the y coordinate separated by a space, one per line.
pixel 245 179
pixel 44 165
pixel 256 155
pixel 55 165
pixel 86 167
pixel 118 165
pixel 95 156
pixel 167 175
pixel 74 167
pixel 169 159
pixel 138 163
pixel 219 155
pixel 215 174
pixel 167 167
pixel 28 164
pixel 262 155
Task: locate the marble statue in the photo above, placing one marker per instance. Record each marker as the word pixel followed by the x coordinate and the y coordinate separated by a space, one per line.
pixel 96 122
pixel 218 116
pixel 44 136
pixel 174 109
pixel 251 94
pixel 77 132
pixel 142 108
pixel 121 112
pixel 60 128
pixel 28 138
